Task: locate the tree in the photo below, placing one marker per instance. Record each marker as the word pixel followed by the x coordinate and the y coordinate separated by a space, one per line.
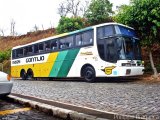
pixel 35 28
pixel 70 24
pixel 144 16
pixel 72 7
pixel 2 32
pixel 13 27
pixel 99 11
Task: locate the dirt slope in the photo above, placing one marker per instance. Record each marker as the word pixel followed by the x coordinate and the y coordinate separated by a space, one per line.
pixel 10 41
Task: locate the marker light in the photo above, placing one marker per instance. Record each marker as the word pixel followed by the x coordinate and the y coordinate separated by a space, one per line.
pixel 8 77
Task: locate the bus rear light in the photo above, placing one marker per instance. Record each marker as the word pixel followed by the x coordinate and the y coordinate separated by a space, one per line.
pixel 128 71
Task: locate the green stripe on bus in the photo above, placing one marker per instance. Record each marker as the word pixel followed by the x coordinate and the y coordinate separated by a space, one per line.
pixel 63 63
pixel 58 63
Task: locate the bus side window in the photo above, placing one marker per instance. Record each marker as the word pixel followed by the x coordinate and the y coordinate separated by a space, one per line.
pixel 62 43
pixel 13 54
pixel 19 52
pixel 36 48
pixel 29 50
pixel 54 45
pixel 87 37
pixel 78 40
pixel 41 47
pixel 48 45
pixel 69 41
pixel 25 51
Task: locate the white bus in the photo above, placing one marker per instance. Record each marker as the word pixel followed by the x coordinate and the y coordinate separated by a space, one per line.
pixel 104 50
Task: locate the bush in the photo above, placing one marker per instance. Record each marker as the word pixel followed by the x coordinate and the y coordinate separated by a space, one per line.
pixel 5 55
pixel 70 24
pixel 158 67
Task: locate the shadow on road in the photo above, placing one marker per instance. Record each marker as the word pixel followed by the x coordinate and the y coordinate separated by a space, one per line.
pixel 98 80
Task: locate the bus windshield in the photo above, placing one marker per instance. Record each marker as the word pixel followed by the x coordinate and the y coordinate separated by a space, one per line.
pixel 128 48
pixel 117 43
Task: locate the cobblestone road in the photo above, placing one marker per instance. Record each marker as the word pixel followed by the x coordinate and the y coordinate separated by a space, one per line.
pixel 127 98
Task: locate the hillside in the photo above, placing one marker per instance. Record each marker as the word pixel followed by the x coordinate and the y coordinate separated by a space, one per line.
pixel 8 42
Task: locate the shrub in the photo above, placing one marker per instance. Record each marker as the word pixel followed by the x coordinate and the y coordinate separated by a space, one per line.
pixel 5 55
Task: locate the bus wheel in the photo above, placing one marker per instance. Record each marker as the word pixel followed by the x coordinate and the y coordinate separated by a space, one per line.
pixel 30 74
pixel 23 74
pixel 89 74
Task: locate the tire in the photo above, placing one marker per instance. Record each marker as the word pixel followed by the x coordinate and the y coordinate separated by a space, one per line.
pixel 23 75
pixel 30 74
pixel 89 74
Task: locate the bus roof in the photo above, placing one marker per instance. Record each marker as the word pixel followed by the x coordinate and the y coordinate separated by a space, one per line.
pixel 70 33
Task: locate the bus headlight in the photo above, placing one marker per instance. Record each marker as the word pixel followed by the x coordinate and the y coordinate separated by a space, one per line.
pixel 126 64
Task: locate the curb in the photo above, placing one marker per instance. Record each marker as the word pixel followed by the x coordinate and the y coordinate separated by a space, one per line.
pixel 56 111
pixel 66 113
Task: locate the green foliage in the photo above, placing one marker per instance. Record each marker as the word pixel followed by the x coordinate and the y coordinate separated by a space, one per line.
pixel 5 55
pixel 70 24
pixel 148 68
pixel 99 11
pixel 144 16
pixel 158 68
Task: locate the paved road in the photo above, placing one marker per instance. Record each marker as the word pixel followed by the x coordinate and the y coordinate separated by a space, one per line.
pixel 12 111
pixel 124 97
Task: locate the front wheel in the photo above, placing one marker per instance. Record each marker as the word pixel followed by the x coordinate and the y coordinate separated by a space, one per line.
pixel 89 74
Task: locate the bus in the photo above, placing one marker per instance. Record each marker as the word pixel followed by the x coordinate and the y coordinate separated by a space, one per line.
pixel 104 50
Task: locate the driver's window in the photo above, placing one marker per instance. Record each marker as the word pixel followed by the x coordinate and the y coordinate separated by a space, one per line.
pixel 111 50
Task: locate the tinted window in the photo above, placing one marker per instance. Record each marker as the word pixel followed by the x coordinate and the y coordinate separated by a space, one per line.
pixel 25 50
pixel 13 54
pixel 48 45
pixel 69 41
pixel 78 40
pixel 30 50
pixel 125 31
pixel 66 42
pixel 111 50
pixel 36 48
pixel 41 47
pixel 19 52
pixel 101 51
pixel 105 31
pixel 54 44
pixel 87 37
pixel 62 43
pixel 100 32
pixel 108 30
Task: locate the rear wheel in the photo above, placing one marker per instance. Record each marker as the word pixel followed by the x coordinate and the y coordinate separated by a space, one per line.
pixel 89 74
pixel 30 74
pixel 23 75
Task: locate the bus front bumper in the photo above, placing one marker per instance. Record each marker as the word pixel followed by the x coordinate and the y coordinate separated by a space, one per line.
pixel 120 72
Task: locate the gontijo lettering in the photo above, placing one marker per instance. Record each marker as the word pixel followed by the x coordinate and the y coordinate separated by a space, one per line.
pixel 35 59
